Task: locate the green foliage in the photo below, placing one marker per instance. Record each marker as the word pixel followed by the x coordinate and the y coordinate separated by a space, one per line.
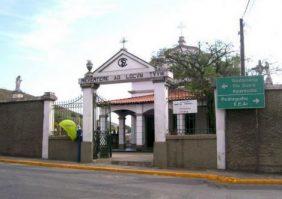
pixel 198 67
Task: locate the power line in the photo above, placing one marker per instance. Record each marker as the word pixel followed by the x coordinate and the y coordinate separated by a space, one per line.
pixel 246 8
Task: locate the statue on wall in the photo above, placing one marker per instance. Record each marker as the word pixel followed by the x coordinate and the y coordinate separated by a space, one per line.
pixel 18 84
pixel 264 70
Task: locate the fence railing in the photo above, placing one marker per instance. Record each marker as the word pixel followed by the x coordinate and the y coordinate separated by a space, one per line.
pixel 201 122
pixel 102 144
pixel 70 109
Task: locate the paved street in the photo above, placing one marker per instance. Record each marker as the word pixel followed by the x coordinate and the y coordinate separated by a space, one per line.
pixel 37 182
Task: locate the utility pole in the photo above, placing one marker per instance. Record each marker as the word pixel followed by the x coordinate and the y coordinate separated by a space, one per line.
pixel 242 47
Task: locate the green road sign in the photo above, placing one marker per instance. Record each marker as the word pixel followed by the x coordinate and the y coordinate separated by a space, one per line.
pixel 240 92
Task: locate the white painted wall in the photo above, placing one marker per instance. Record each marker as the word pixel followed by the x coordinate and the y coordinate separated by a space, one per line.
pixel 132 66
pixel 142 86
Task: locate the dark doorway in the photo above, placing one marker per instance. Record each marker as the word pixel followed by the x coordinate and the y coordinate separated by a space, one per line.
pixel 149 130
pixel 190 120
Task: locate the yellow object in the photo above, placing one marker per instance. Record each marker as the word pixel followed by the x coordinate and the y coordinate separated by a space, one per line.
pixel 70 127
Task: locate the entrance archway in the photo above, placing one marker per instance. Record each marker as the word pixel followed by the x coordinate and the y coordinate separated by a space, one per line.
pixel 147 80
pixel 125 134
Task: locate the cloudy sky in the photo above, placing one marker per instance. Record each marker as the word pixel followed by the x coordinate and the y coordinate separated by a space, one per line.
pixel 48 42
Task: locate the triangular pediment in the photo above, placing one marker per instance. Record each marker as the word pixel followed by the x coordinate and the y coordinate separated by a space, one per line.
pixel 123 62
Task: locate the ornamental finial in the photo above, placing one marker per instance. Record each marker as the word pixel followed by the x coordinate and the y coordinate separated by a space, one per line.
pixel 89 65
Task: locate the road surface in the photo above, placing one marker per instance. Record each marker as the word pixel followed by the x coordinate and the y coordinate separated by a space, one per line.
pixel 26 182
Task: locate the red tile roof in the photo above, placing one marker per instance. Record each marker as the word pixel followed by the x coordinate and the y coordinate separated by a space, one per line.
pixel 173 95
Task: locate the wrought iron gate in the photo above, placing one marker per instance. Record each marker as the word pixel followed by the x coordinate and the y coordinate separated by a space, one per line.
pixel 73 110
pixel 102 144
pixel 102 137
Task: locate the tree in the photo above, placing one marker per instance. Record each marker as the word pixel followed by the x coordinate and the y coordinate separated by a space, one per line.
pixel 197 67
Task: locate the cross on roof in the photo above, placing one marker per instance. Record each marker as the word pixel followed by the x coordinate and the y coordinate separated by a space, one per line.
pixel 181 27
pixel 123 41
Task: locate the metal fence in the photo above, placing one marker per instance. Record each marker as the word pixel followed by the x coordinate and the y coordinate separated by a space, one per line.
pixel 73 110
pixel 102 144
pixel 201 122
pixel 102 139
pixel 70 109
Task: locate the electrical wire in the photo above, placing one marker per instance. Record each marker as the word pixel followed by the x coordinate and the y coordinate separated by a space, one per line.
pixel 246 8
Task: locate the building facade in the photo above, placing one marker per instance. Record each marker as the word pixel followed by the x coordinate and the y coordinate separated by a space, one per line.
pixel 151 103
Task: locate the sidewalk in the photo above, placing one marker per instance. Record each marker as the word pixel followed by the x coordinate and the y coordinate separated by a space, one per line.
pixel 217 176
pixel 139 159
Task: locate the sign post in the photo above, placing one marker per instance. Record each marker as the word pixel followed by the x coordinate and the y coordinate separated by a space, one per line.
pixel 244 92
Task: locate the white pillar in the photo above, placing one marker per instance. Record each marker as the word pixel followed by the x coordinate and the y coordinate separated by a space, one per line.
pixel 121 134
pixel 160 110
pixel 140 134
pixel 103 119
pixel 133 130
pixel 180 123
pixel 103 123
pixel 220 135
pixel 89 114
pixel 48 121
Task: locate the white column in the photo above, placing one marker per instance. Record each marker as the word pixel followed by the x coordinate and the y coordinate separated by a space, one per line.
pixel 160 110
pixel 121 135
pixel 220 135
pixel 48 122
pixel 140 134
pixel 133 130
pixel 103 122
pixel 89 114
pixel 103 119
pixel 180 123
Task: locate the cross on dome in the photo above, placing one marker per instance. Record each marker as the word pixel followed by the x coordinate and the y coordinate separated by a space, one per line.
pixel 181 26
pixel 181 40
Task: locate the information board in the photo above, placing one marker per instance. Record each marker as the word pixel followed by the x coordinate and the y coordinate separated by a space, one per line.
pixel 185 106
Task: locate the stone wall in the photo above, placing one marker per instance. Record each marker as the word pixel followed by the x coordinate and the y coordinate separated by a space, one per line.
pixel 187 151
pixel 254 139
pixel 62 148
pixel 21 127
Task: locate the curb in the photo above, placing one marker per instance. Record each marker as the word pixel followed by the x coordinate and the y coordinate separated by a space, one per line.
pixel 211 177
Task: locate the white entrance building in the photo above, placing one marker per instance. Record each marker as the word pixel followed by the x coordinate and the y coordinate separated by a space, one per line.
pixel 150 104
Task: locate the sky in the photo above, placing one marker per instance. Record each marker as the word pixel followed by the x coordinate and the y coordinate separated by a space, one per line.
pixel 48 42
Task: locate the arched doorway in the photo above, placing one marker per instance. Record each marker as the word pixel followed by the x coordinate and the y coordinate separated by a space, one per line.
pixel 124 139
